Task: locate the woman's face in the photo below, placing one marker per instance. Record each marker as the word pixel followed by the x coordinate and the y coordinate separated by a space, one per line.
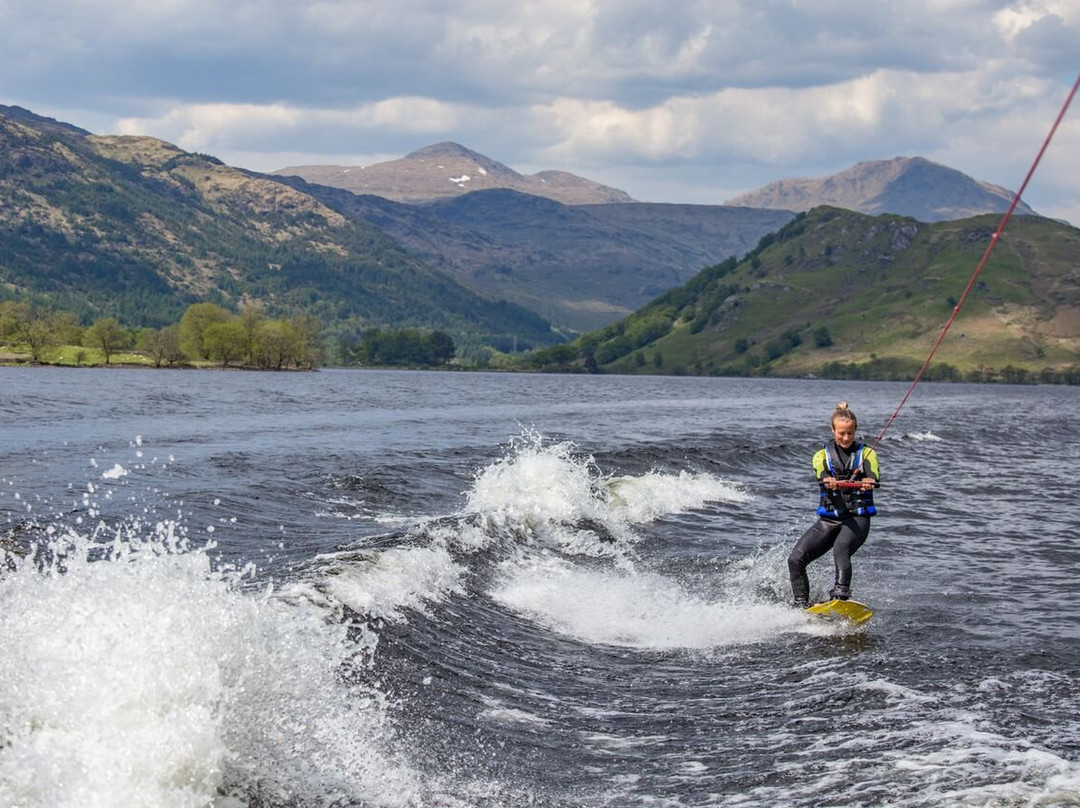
pixel 844 432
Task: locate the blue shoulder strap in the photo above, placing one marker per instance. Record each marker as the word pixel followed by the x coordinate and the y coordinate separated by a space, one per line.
pixel 858 460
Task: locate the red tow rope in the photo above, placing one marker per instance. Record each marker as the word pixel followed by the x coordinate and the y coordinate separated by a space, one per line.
pixel 990 247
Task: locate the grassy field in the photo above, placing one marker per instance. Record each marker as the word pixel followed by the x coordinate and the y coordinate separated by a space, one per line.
pixel 79 356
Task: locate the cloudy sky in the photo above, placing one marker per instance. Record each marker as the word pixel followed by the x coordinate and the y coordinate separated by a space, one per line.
pixel 669 100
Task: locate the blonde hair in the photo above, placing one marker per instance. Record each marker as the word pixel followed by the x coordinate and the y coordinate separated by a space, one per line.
pixel 843 412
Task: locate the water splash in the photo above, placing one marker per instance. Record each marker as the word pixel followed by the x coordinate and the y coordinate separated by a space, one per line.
pixel 542 497
pixel 554 498
pixel 554 494
pixel 135 673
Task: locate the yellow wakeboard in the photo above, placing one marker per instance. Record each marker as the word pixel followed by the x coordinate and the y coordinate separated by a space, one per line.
pixel 850 610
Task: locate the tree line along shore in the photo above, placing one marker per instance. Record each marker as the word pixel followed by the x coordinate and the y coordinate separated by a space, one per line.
pixel 207 335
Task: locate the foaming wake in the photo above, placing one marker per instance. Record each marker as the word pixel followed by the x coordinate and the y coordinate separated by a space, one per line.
pixel 639 610
pixel 145 677
pixel 537 499
pixel 553 493
pixel 386 584
pixel 559 535
pixel 543 492
pixel 560 500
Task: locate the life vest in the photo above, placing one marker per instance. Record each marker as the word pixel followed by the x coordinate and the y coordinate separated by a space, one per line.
pixel 841 502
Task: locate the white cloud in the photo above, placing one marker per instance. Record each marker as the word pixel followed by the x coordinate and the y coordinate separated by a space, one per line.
pixel 683 99
pixel 1017 18
pixel 783 125
pixel 197 127
pixel 203 127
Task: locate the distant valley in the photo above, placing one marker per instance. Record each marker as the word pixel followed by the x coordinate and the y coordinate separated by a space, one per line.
pixel 580 266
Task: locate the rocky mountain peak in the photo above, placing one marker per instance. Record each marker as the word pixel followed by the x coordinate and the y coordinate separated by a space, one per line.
pixel 909 186
pixel 446 170
pixel 447 149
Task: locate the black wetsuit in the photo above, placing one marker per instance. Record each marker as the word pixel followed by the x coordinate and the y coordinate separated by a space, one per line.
pixel 843 532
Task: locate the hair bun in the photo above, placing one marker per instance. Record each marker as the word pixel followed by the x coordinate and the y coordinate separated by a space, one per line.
pixel 843 405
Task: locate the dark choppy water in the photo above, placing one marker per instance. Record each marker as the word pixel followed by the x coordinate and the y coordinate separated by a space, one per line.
pixel 433 589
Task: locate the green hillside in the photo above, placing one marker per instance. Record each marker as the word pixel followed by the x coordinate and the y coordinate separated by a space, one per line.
pixel 841 294
pixel 137 229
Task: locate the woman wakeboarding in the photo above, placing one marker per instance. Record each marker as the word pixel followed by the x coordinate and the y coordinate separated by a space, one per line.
pixel 847 473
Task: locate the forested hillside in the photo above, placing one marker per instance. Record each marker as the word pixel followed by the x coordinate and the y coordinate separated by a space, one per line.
pixel 137 229
pixel 842 294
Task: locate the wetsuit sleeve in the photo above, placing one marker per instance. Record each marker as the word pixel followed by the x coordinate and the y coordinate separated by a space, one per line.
pixel 819 464
pixel 870 464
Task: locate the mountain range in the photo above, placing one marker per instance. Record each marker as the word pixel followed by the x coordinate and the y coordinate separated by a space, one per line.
pixel 582 254
pixel 136 228
pixel 909 186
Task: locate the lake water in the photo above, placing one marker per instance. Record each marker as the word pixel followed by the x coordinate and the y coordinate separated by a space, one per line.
pixel 364 588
